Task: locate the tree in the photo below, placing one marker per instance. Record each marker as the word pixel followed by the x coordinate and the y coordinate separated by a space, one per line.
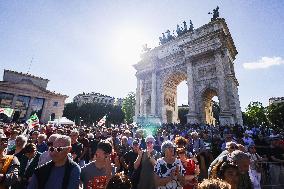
pixel 255 114
pixel 128 107
pixel 71 111
pixel 275 115
pixel 92 112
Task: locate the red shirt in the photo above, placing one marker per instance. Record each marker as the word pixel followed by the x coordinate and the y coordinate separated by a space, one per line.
pixel 189 166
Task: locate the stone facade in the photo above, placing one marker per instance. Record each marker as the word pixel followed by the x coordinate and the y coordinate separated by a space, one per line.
pixel 97 98
pixel 204 58
pixel 27 94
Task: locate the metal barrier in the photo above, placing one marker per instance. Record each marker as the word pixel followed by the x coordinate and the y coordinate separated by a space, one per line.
pixel 272 175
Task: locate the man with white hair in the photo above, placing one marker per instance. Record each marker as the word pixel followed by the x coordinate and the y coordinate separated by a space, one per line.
pixel 61 172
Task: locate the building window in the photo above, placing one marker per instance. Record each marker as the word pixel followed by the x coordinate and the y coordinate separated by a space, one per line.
pixel 22 105
pixel 6 99
pixel 37 106
pixel 55 104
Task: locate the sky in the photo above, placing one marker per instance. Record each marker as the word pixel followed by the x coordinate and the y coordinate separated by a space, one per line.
pixel 91 46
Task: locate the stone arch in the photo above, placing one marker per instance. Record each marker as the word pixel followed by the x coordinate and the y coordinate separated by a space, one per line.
pixel 169 106
pixel 206 108
pixel 204 58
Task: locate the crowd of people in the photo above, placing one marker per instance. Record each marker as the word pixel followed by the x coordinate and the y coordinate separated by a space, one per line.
pixel 172 156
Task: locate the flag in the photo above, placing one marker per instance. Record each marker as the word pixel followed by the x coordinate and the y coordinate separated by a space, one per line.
pixel 102 121
pixel 33 120
pixel 7 111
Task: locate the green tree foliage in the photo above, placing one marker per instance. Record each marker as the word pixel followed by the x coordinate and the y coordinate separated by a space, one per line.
pixel 128 107
pixel 275 115
pixel 92 112
pixel 255 114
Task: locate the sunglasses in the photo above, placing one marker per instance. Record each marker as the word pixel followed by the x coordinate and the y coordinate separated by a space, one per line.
pixel 58 149
pixel 149 142
pixel 234 147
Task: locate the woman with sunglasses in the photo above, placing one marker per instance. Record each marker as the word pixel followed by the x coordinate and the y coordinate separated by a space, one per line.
pixel 169 171
pixel 191 169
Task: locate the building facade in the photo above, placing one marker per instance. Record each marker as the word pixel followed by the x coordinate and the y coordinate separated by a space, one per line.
pixel 81 99
pixel 275 100
pixel 27 94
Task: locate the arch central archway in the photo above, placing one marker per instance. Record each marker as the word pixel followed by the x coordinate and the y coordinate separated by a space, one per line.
pixel 204 58
pixel 170 96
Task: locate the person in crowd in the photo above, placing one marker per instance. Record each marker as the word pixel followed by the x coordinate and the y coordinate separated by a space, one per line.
pixel 214 184
pixel 61 172
pixel 45 156
pixel 191 169
pixel 139 135
pixel 129 137
pixel 169 171
pixel 199 149
pixel 129 158
pixel 277 167
pixel 227 138
pixel 93 143
pixel 227 171
pixel 84 158
pixel 77 147
pixel 119 181
pixel 41 144
pixel 247 140
pixel 30 151
pixel 12 141
pixel 255 168
pixel 10 166
pixel 97 173
pixel 242 160
pixel 224 156
pixel 20 143
pixel 144 165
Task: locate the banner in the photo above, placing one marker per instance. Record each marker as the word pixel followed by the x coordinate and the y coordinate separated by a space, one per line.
pixel 7 111
pixel 102 121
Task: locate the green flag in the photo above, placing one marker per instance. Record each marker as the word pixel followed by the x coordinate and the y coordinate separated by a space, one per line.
pixel 33 120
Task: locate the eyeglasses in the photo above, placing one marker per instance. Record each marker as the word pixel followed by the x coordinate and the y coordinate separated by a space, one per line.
pixel 58 149
pixel 149 142
pixel 234 147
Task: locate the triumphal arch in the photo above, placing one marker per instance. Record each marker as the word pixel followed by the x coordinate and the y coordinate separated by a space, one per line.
pixel 204 58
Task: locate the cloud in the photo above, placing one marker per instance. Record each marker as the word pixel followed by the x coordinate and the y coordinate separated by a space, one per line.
pixel 264 62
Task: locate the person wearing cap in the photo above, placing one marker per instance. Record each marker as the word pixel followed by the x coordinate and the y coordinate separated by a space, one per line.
pixel 168 171
pixel 145 162
pixel 9 165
